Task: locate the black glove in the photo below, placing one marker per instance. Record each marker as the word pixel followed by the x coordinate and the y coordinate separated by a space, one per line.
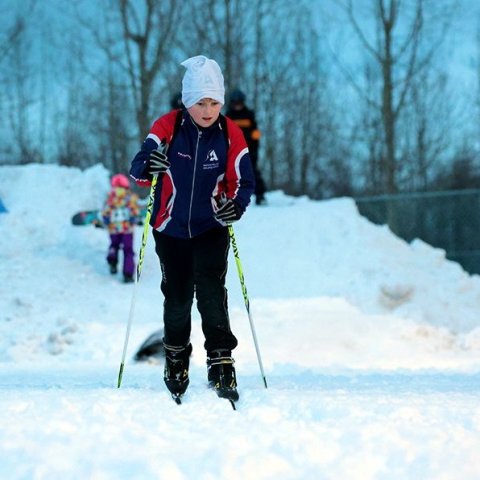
pixel 158 161
pixel 229 212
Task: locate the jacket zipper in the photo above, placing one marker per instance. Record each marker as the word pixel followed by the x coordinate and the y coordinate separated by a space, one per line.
pixel 193 181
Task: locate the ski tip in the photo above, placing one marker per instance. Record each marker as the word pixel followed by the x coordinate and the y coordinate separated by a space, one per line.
pixel 232 403
pixel 177 398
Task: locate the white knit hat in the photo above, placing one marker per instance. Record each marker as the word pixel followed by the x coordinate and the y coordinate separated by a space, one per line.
pixel 203 79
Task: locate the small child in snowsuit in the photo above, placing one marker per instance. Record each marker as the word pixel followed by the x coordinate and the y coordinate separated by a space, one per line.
pixel 120 216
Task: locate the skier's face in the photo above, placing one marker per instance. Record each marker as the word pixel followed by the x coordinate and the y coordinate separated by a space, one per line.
pixel 205 112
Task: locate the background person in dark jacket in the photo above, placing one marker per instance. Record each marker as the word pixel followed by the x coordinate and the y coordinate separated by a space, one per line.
pixel 205 181
pixel 244 117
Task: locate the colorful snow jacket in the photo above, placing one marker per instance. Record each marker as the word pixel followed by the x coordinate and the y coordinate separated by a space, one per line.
pixel 203 166
pixel 120 211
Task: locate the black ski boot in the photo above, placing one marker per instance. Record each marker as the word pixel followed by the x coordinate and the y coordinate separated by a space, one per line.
pixel 113 267
pixel 175 374
pixel 221 374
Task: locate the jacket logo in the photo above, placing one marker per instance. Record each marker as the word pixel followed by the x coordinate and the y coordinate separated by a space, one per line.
pixel 212 156
pixel 211 162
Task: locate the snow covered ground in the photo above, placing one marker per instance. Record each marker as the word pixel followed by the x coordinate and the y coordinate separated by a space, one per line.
pixel 371 349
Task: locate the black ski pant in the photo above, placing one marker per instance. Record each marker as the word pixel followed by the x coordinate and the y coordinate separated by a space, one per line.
pixel 195 266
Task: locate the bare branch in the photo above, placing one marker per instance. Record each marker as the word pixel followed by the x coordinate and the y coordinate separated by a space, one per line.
pixel 12 35
pixel 360 33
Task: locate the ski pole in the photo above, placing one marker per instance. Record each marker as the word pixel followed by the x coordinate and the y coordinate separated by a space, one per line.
pixel 245 298
pixel 141 255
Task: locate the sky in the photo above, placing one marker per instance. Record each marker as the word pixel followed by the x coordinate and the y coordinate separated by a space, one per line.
pixel 370 345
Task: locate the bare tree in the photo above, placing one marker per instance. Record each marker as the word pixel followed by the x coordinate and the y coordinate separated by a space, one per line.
pixel 426 125
pixel 19 90
pixel 477 96
pixel 297 106
pixel 139 43
pixel 109 122
pixel 8 39
pixel 368 135
pixel 75 149
pixel 224 30
pixel 400 54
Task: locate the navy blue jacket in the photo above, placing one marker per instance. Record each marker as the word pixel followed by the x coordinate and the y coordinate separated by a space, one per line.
pixel 202 168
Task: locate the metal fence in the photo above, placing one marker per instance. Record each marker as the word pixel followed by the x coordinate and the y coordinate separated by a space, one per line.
pixel 449 220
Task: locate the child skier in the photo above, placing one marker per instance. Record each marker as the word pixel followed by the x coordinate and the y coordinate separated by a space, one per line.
pixel 120 216
pixel 205 181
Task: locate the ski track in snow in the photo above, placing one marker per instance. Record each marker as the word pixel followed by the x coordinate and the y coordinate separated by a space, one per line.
pixel 370 346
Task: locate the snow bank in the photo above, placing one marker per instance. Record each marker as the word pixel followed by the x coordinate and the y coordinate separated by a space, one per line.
pixel 370 344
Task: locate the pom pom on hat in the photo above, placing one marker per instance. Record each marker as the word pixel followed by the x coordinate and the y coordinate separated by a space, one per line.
pixel 203 79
